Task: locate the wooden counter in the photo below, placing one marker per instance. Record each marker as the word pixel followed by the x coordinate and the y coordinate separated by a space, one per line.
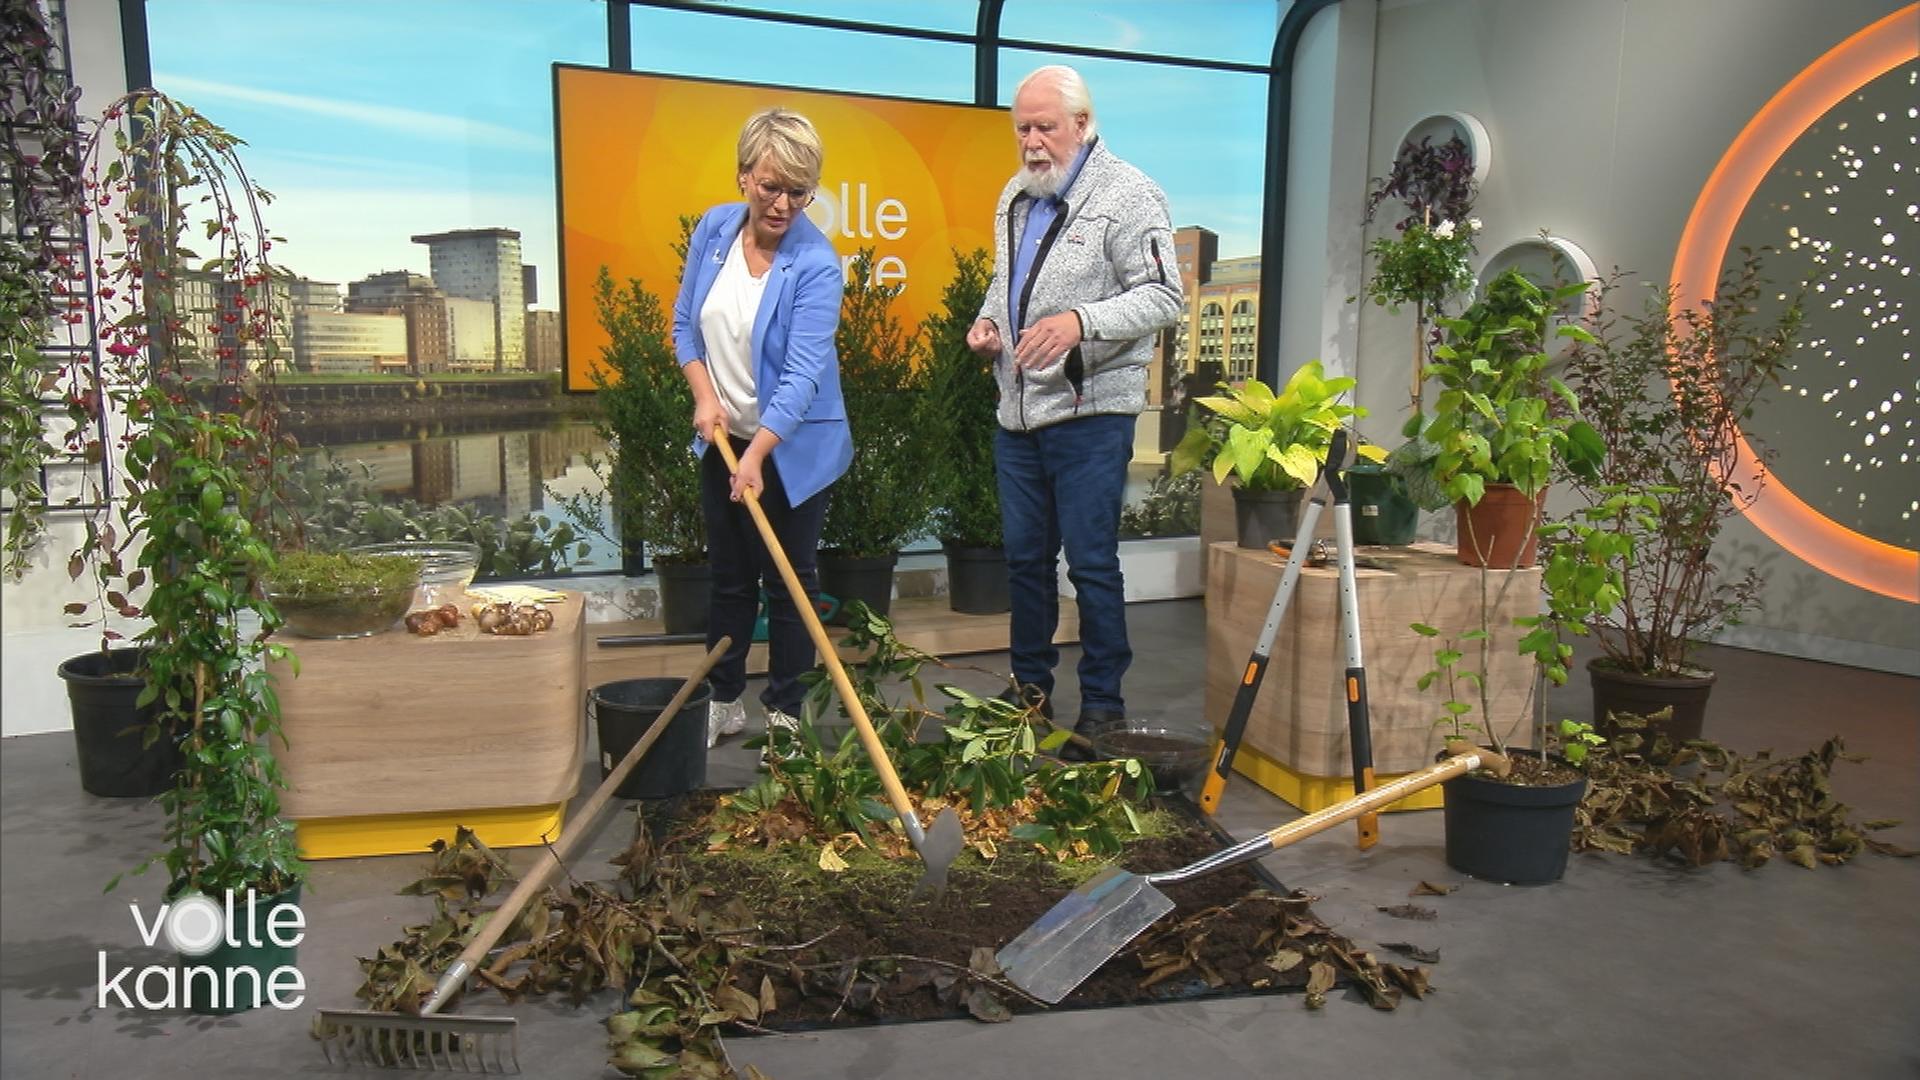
pixel 1296 743
pixel 396 739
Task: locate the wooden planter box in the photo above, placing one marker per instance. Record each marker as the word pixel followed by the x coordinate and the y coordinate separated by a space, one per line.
pixel 395 740
pixel 1296 743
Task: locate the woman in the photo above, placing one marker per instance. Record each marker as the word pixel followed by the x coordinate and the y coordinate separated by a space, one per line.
pixel 754 331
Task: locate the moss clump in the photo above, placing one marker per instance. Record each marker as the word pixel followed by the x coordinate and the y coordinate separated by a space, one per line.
pixel 312 575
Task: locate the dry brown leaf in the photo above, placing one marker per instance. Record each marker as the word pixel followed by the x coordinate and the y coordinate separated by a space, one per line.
pixel 1428 888
pixel 1411 911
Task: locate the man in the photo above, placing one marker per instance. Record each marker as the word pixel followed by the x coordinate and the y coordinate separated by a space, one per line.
pixel 1084 277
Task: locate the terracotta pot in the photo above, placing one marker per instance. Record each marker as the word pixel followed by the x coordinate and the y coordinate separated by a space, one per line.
pixel 1616 691
pixel 1504 525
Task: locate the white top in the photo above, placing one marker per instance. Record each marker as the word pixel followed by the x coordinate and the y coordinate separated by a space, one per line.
pixel 726 325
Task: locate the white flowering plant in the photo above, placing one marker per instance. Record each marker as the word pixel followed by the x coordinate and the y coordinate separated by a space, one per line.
pixel 1424 264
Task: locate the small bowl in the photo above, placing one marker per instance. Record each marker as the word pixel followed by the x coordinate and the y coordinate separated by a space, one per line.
pixel 331 618
pixel 1174 755
pixel 446 568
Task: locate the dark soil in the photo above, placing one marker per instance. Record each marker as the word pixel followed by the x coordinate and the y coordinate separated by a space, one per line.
pixel 867 953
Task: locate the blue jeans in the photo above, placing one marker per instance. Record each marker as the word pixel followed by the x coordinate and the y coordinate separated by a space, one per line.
pixel 742 566
pixel 1061 485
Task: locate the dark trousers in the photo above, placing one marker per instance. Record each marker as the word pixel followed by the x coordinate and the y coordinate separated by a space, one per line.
pixel 742 567
pixel 1061 485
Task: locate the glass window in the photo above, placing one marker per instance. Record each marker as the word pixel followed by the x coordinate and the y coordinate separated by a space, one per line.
pixel 700 45
pixel 424 375
pixel 955 16
pixel 1240 31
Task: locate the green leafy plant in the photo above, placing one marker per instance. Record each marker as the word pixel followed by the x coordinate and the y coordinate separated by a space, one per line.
pixel 1574 740
pixel 203 475
pixel 1425 265
pixel 647 417
pixel 1499 416
pixel 1169 507
pixel 884 500
pixel 958 412
pixel 1271 442
pixel 1456 711
pixel 1667 391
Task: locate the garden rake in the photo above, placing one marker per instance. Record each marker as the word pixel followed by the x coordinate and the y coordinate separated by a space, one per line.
pixel 938 846
pixel 483 1044
pixel 1354 684
pixel 1095 921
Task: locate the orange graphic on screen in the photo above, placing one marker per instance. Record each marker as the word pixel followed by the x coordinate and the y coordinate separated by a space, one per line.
pixel 912 180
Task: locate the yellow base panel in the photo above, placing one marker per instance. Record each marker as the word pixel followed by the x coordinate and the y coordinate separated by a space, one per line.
pixel 411 834
pixel 1309 793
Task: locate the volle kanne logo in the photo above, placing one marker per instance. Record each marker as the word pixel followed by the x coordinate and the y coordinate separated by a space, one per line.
pixel 194 926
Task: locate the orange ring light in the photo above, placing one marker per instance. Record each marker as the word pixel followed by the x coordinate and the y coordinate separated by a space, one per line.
pixel 1780 514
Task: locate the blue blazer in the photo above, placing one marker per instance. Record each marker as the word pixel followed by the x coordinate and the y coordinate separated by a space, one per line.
pixel 796 370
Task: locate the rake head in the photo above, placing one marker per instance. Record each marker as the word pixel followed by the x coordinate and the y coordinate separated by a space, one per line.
pixel 468 1044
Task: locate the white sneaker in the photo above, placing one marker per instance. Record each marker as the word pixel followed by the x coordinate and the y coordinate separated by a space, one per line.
pixel 780 721
pixel 725 718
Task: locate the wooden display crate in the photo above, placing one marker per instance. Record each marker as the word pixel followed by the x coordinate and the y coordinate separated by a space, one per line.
pixel 1297 733
pixel 395 740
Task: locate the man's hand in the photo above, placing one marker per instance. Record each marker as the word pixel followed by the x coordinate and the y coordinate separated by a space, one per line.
pixel 983 337
pixel 1047 341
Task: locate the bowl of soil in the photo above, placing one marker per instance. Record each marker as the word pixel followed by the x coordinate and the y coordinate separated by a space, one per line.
pixel 1173 753
pixel 343 595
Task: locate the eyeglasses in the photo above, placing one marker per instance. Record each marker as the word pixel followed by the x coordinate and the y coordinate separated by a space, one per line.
pixel 770 193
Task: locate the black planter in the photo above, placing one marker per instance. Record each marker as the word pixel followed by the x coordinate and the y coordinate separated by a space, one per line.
pixel 865 578
pixel 108 730
pixel 1616 691
pixel 262 959
pixel 1383 512
pixel 633 558
pixel 1508 833
pixel 685 595
pixel 676 763
pixel 1263 517
pixel 977 579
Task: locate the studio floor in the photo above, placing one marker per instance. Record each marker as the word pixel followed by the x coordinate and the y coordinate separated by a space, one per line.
pixel 1625 968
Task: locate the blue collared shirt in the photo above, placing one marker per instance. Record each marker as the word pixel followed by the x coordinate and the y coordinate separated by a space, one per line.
pixel 1039 220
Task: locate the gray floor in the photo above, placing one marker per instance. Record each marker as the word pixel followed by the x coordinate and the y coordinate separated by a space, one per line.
pixel 1623 969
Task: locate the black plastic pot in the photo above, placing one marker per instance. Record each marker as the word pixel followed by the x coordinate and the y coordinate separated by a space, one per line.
pixel 1616 691
pixel 1509 833
pixel 677 762
pixel 977 579
pixel 1383 512
pixel 108 730
pixel 685 595
pixel 865 578
pixel 262 959
pixel 1262 517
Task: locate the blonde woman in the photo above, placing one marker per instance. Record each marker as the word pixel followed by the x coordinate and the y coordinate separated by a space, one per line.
pixel 753 327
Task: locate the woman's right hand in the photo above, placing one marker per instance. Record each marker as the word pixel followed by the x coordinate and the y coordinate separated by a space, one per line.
pixel 707 415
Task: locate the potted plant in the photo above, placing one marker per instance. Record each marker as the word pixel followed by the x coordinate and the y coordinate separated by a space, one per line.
pixel 1667 390
pixel 884 499
pixel 653 477
pixel 958 417
pixel 198 512
pixel 1426 261
pixel 1501 425
pixel 1518 828
pixel 1272 444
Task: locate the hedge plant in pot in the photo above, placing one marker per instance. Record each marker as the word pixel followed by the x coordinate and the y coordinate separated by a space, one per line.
pixel 1425 262
pixel 1518 828
pixel 1667 390
pixel 958 416
pixel 198 514
pixel 1272 444
pixel 1501 425
pixel 653 476
pixel 884 499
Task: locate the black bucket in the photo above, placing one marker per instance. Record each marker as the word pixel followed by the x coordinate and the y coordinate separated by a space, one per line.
pixel 109 731
pixel 677 763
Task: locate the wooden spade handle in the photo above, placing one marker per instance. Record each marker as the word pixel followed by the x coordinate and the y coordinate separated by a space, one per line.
pixel 551 858
pixel 889 779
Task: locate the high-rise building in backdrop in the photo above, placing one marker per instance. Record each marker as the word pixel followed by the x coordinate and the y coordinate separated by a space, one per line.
pixel 484 264
pixel 420 302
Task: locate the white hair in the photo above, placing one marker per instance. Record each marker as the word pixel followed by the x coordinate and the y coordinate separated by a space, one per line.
pixel 1069 85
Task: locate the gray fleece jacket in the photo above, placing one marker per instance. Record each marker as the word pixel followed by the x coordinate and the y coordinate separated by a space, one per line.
pixel 1109 259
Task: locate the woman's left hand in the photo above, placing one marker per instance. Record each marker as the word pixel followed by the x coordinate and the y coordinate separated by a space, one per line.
pixel 747 477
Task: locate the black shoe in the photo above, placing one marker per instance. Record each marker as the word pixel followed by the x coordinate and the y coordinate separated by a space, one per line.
pixel 1095 721
pixel 1027 696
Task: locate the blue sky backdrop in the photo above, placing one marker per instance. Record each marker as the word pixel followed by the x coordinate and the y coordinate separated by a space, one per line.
pixel 371 121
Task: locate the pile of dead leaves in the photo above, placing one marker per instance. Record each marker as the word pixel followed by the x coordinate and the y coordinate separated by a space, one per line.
pixel 1701 803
